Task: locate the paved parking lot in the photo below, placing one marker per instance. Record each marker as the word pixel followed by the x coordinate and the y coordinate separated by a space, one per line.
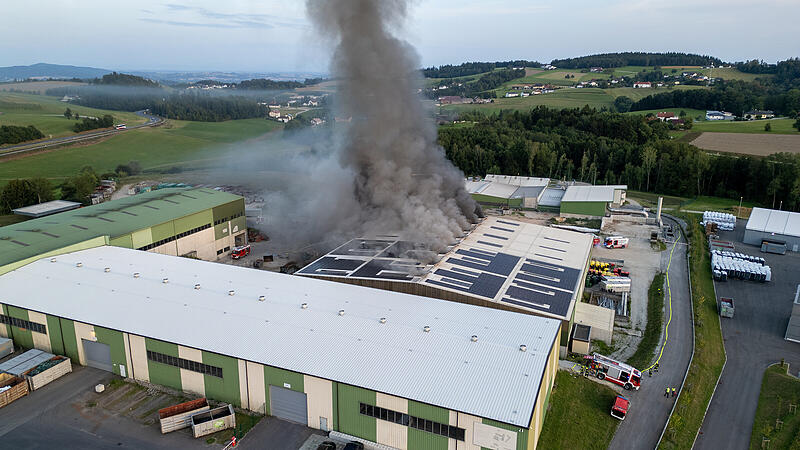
pixel 754 338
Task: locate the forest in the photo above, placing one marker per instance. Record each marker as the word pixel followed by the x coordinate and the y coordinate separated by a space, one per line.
pixel 205 108
pixel 92 123
pixel 123 79
pixel 473 68
pixel 603 147
pixel 12 134
pixel 636 59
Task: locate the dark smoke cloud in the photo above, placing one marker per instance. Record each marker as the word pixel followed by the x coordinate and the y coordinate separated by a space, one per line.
pixel 402 181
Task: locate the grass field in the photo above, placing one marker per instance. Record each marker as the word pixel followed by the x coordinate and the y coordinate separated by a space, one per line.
pixel 636 94
pixel 724 73
pixel 46 113
pixel 709 353
pixel 704 203
pixel 578 416
pixel 691 114
pixel 650 199
pixel 643 356
pixel 176 144
pixel 37 86
pixel 778 391
pixel 779 126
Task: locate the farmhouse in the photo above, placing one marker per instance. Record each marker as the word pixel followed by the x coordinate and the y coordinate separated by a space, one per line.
pixel 758 114
pixel 663 116
pixel 719 115
pixel 642 84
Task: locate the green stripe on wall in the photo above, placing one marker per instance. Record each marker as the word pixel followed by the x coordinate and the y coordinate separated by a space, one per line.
pixel 116 343
pixel 54 332
pixel 280 377
pixel 351 421
pixel 70 340
pixel 163 373
pixel 423 439
pixel 21 337
pixel 227 388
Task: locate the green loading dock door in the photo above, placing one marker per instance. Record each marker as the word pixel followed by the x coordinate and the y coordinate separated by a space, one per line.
pixel 288 404
pixel 97 355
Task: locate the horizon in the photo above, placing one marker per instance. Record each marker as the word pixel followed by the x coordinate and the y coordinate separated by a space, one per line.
pixel 274 37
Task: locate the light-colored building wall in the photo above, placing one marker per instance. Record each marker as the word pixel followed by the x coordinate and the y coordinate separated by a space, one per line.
pixel 83 331
pixel 138 355
pixel 319 399
pixel 40 340
pixel 388 433
pixel 190 380
pixel 256 388
pixel 244 397
pixel 600 319
pixel 467 422
pixel 201 242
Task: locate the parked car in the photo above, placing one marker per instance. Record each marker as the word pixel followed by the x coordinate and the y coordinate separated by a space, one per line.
pixel 620 408
pixel 327 445
pixel 353 445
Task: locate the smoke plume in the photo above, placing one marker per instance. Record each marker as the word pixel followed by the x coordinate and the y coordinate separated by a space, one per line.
pixel 386 140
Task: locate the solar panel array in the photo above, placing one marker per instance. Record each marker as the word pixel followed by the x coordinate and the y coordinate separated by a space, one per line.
pixel 478 272
pixel 543 287
pixel 379 259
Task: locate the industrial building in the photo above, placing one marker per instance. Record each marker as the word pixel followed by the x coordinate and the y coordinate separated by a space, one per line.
pixel 793 329
pixel 505 190
pixel 591 201
pixel 201 223
pixel 502 264
pixel 46 208
pixel 779 227
pixel 388 367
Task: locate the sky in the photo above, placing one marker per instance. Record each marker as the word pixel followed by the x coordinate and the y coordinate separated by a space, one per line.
pixel 275 36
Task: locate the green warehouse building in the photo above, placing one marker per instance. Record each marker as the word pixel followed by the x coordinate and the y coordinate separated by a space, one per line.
pixel 400 370
pixel 195 222
pixel 591 201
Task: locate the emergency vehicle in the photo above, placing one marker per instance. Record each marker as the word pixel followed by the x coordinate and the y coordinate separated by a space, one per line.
pixel 121 126
pixel 614 371
pixel 616 242
pixel 620 408
pixel 240 252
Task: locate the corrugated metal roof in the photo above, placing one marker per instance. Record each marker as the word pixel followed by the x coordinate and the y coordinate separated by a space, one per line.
pixel 773 221
pixel 114 218
pixel 475 187
pixel 552 197
pixel 528 192
pixel 517 181
pixel 590 193
pixel 489 378
pixel 46 208
pixel 499 190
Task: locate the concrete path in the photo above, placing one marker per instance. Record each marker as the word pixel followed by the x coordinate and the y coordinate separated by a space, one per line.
pixel 754 339
pixel 650 410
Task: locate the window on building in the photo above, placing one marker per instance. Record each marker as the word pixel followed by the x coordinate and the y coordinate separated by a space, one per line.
pixel 187 364
pixel 429 426
pixel 227 249
pixel 219 252
pixel 24 324
pixel 174 238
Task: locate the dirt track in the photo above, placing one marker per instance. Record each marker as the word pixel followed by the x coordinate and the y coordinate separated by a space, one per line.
pixel 749 144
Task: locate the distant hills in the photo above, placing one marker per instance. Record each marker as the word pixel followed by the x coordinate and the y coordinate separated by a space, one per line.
pixel 43 70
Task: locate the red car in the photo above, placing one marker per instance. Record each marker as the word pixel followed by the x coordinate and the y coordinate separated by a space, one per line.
pixel 240 252
pixel 620 408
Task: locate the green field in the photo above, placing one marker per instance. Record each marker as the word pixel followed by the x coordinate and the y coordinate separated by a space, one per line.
pixel 778 391
pixel 46 113
pixel 691 114
pixel 644 354
pixel 578 415
pixel 636 94
pixel 724 73
pixel 779 126
pixel 177 143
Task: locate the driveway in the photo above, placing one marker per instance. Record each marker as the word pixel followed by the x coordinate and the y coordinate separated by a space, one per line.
pixel 650 410
pixel 754 339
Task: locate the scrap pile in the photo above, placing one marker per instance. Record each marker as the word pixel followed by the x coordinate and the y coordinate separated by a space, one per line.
pixel 723 221
pixel 725 264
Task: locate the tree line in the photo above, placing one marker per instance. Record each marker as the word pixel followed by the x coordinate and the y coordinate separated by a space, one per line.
pixel 123 79
pixel 603 147
pixel 93 123
pixel 13 134
pixel 473 68
pixel 636 59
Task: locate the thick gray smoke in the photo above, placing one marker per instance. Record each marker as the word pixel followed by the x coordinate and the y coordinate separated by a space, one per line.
pixel 387 141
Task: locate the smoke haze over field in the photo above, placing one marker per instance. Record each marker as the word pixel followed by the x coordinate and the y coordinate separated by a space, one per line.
pixel 401 179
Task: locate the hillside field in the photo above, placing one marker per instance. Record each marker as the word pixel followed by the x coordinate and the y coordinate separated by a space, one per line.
pixel 749 144
pixel 47 113
pixel 177 143
pixel 779 126
pixel 38 87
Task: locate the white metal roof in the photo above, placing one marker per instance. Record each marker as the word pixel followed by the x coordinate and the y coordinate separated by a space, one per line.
pixel 773 221
pixel 591 193
pixel 475 187
pixel 489 378
pixel 517 181
pixel 46 208
pixel 499 190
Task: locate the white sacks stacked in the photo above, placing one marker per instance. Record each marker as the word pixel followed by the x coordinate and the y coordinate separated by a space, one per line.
pixel 725 221
pixel 726 265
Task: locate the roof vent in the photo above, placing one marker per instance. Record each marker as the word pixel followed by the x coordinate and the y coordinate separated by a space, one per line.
pixel 136 275
pixel 165 280
pixel 52 260
pixel 523 348
pixel 261 298
pixel 231 292
pixel 80 264
pixel 474 338
pixel 382 320
pixel 341 312
pixel 197 286
pixel 304 305
pixel 107 269
pixel 426 329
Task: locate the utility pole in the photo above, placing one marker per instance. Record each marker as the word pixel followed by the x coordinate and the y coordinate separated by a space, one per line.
pixel 739 211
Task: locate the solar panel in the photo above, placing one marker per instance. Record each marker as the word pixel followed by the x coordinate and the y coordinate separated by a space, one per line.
pixel 499 263
pixel 345 266
pixel 362 247
pixel 495 236
pixel 483 284
pixel 508 223
pixel 385 269
pixel 501 229
pixel 490 244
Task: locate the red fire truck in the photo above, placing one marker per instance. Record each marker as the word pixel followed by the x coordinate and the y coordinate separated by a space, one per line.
pixel 240 252
pixel 614 371
pixel 620 408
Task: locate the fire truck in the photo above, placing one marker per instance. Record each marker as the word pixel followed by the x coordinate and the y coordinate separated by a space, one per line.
pixel 616 242
pixel 614 371
pixel 620 408
pixel 240 252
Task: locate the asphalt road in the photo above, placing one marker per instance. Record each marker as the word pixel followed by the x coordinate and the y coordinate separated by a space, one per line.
pixel 22 148
pixel 649 409
pixel 754 339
